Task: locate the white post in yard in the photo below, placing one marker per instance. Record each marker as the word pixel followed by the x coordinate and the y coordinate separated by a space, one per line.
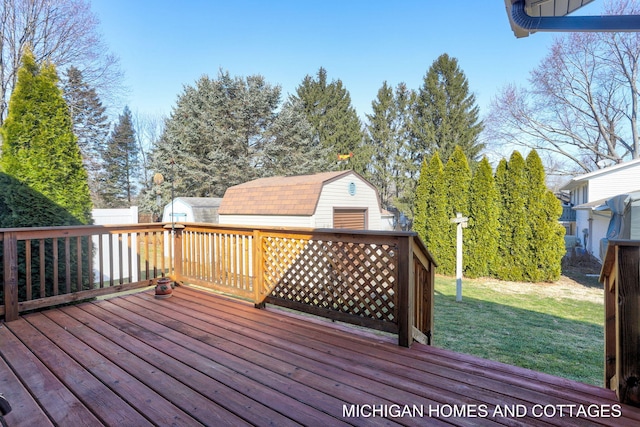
pixel 461 222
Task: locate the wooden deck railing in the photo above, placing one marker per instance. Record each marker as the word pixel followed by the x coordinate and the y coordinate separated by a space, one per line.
pixel 621 277
pixel 381 280
pixel 42 267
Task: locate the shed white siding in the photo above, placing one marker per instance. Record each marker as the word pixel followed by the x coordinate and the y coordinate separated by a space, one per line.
pixel 181 212
pixel 337 194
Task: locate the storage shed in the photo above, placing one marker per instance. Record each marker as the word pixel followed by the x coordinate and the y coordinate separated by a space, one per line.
pixel 192 209
pixel 340 199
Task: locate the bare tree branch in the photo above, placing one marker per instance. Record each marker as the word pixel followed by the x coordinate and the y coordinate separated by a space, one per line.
pixel 582 101
pixel 63 32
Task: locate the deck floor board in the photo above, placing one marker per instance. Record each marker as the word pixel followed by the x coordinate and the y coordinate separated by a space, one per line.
pixel 202 359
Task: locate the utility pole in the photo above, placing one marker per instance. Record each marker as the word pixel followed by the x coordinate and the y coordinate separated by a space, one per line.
pixel 462 222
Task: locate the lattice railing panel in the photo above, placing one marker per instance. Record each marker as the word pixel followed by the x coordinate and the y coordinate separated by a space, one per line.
pixel 348 277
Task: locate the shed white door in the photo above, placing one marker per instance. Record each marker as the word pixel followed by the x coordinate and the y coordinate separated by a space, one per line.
pixel 355 219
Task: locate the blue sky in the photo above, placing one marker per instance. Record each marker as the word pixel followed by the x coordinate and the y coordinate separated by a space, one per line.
pixel 164 45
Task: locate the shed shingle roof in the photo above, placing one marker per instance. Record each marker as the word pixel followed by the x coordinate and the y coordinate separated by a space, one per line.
pixel 278 195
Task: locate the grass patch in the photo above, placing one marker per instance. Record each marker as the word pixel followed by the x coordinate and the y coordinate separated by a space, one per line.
pixel 553 328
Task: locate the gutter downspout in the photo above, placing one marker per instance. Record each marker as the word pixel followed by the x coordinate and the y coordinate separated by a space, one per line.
pixel 604 23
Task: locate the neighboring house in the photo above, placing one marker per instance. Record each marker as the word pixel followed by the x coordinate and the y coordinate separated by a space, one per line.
pixel 341 199
pixel 192 209
pixel 568 217
pixel 589 194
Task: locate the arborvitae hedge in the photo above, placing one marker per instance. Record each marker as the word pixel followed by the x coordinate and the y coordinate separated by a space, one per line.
pixel 457 178
pixel 38 145
pixel 546 240
pixel 431 207
pixel 513 231
pixel 503 231
pixel 517 218
pixel 424 189
pixel 481 238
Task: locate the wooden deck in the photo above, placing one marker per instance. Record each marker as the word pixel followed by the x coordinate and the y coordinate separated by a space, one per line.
pixel 201 359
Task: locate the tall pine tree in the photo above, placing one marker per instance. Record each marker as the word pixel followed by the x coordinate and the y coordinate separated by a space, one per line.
pixel 445 112
pixel 90 125
pixel 481 237
pixel 409 156
pixel 381 135
pixel 328 108
pixel 227 130
pixel 121 164
pixel 290 147
pixel 387 140
pixel 38 145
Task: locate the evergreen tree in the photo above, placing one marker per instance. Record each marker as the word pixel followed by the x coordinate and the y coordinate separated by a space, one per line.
pixel 446 114
pixel 481 238
pixel 431 220
pixel 121 162
pixel 214 136
pixel 228 130
pixel 514 221
pixel 504 235
pixel 408 157
pixel 382 136
pixel 38 145
pixel 90 125
pixel 290 147
pixel 328 108
pixel 387 140
pixel 424 194
pixel 546 236
pixel 456 181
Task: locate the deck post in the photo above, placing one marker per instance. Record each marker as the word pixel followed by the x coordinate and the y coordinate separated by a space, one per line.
pixel 177 252
pixel 10 259
pixel 405 289
pixel 610 330
pixel 628 297
pixel 621 277
pixel 258 276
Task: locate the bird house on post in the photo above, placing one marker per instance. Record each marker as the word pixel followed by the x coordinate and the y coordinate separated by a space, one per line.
pixel 461 222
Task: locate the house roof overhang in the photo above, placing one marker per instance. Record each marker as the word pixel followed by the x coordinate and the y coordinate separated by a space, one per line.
pixel 601 204
pixel 530 16
pixel 580 179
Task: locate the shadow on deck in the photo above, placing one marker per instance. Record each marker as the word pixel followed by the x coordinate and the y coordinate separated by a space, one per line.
pixel 201 359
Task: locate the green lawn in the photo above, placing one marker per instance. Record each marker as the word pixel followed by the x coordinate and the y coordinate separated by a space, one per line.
pixel 553 328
